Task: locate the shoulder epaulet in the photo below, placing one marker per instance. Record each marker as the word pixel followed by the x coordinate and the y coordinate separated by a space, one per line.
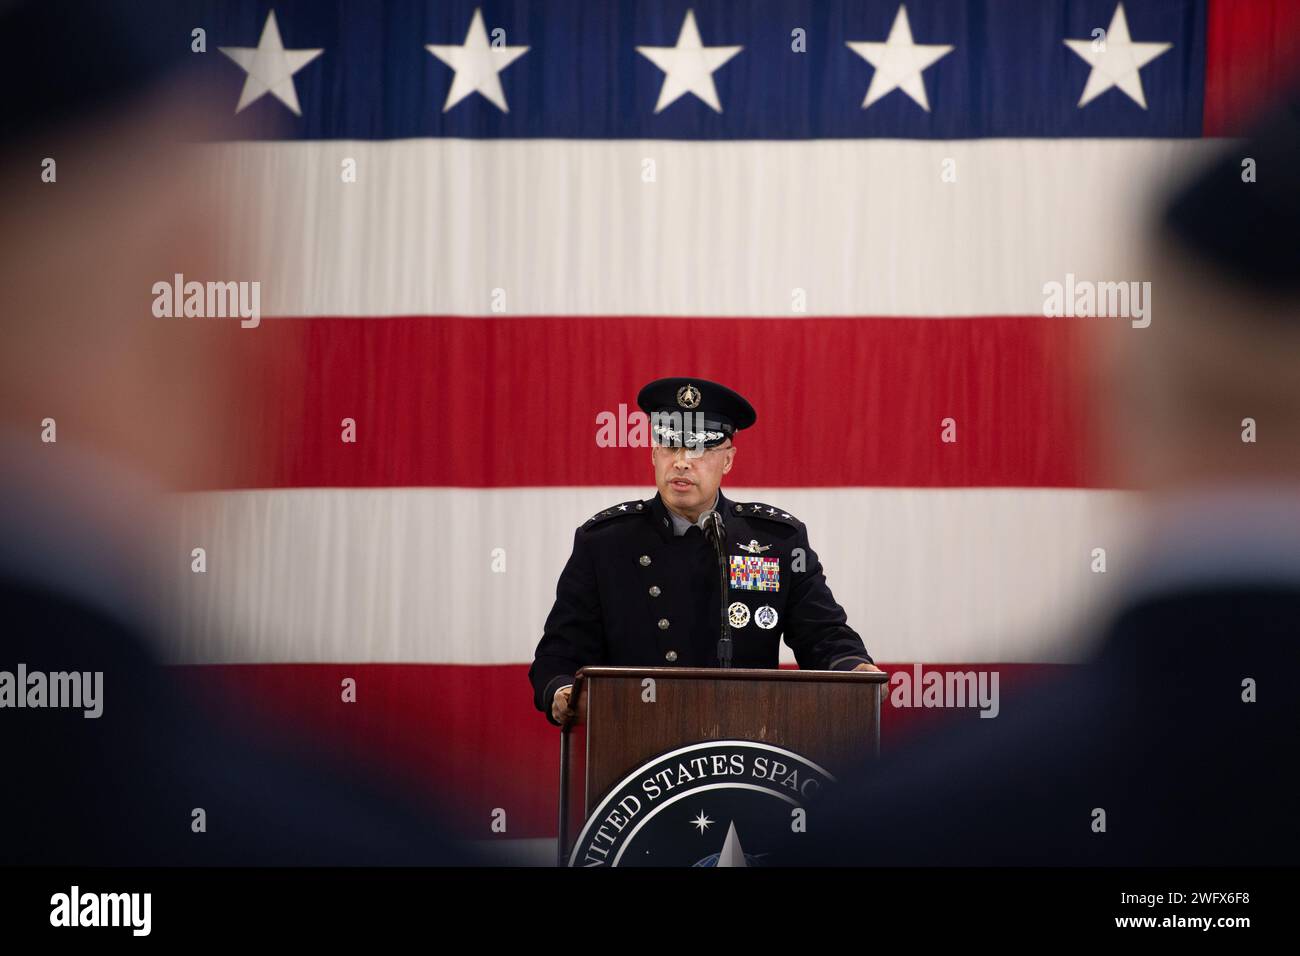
pixel 755 509
pixel 619 510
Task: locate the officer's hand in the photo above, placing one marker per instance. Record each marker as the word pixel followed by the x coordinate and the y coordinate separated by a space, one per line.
pixel 560 705
pixel 868 667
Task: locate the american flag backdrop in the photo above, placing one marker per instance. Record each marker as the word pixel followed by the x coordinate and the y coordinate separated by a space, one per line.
pixel 480 227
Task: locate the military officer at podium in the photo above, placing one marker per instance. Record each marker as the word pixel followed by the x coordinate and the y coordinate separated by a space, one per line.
pixel 641 587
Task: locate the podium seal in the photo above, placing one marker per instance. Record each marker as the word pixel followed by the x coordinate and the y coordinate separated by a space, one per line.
pixel 716 803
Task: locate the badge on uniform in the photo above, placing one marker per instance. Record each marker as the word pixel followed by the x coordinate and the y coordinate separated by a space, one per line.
pixel 755 574
pixel 738 614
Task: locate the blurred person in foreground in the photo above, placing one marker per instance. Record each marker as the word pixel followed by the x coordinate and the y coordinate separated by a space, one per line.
pixel 137 406
pixel 1174 743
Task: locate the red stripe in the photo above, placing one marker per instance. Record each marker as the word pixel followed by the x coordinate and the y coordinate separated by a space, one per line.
pixel 465 737
pixel 514 402
pixel 1252 55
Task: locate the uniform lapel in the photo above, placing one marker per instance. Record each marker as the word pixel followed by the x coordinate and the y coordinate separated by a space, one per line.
pixel 659 515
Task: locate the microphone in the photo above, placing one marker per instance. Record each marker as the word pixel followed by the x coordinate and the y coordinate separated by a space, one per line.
pixel 714 529
pixel 716 532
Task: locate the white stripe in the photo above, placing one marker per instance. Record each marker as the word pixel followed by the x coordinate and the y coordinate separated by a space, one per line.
pixel 569 227
pixel 406 575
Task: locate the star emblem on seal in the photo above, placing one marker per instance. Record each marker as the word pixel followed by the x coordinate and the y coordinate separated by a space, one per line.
pixel 688 396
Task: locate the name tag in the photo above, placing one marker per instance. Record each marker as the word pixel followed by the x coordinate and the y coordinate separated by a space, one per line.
pixel 755 574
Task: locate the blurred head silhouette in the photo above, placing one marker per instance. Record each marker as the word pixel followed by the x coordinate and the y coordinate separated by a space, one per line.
pixel 1225 270
pixel 104 407
pixel 99 176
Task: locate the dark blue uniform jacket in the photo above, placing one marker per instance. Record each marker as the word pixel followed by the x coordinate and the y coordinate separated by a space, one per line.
pixel 632 594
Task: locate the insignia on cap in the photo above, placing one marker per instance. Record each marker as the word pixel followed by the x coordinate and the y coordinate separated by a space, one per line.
pixel 754 547
pixel 675 435
pixel 738 614
pixel 688 396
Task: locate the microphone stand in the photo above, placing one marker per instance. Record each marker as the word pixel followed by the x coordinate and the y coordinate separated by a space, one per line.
pixel 716 532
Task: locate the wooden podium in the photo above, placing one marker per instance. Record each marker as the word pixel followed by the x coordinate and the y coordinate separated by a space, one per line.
pixel 829 717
